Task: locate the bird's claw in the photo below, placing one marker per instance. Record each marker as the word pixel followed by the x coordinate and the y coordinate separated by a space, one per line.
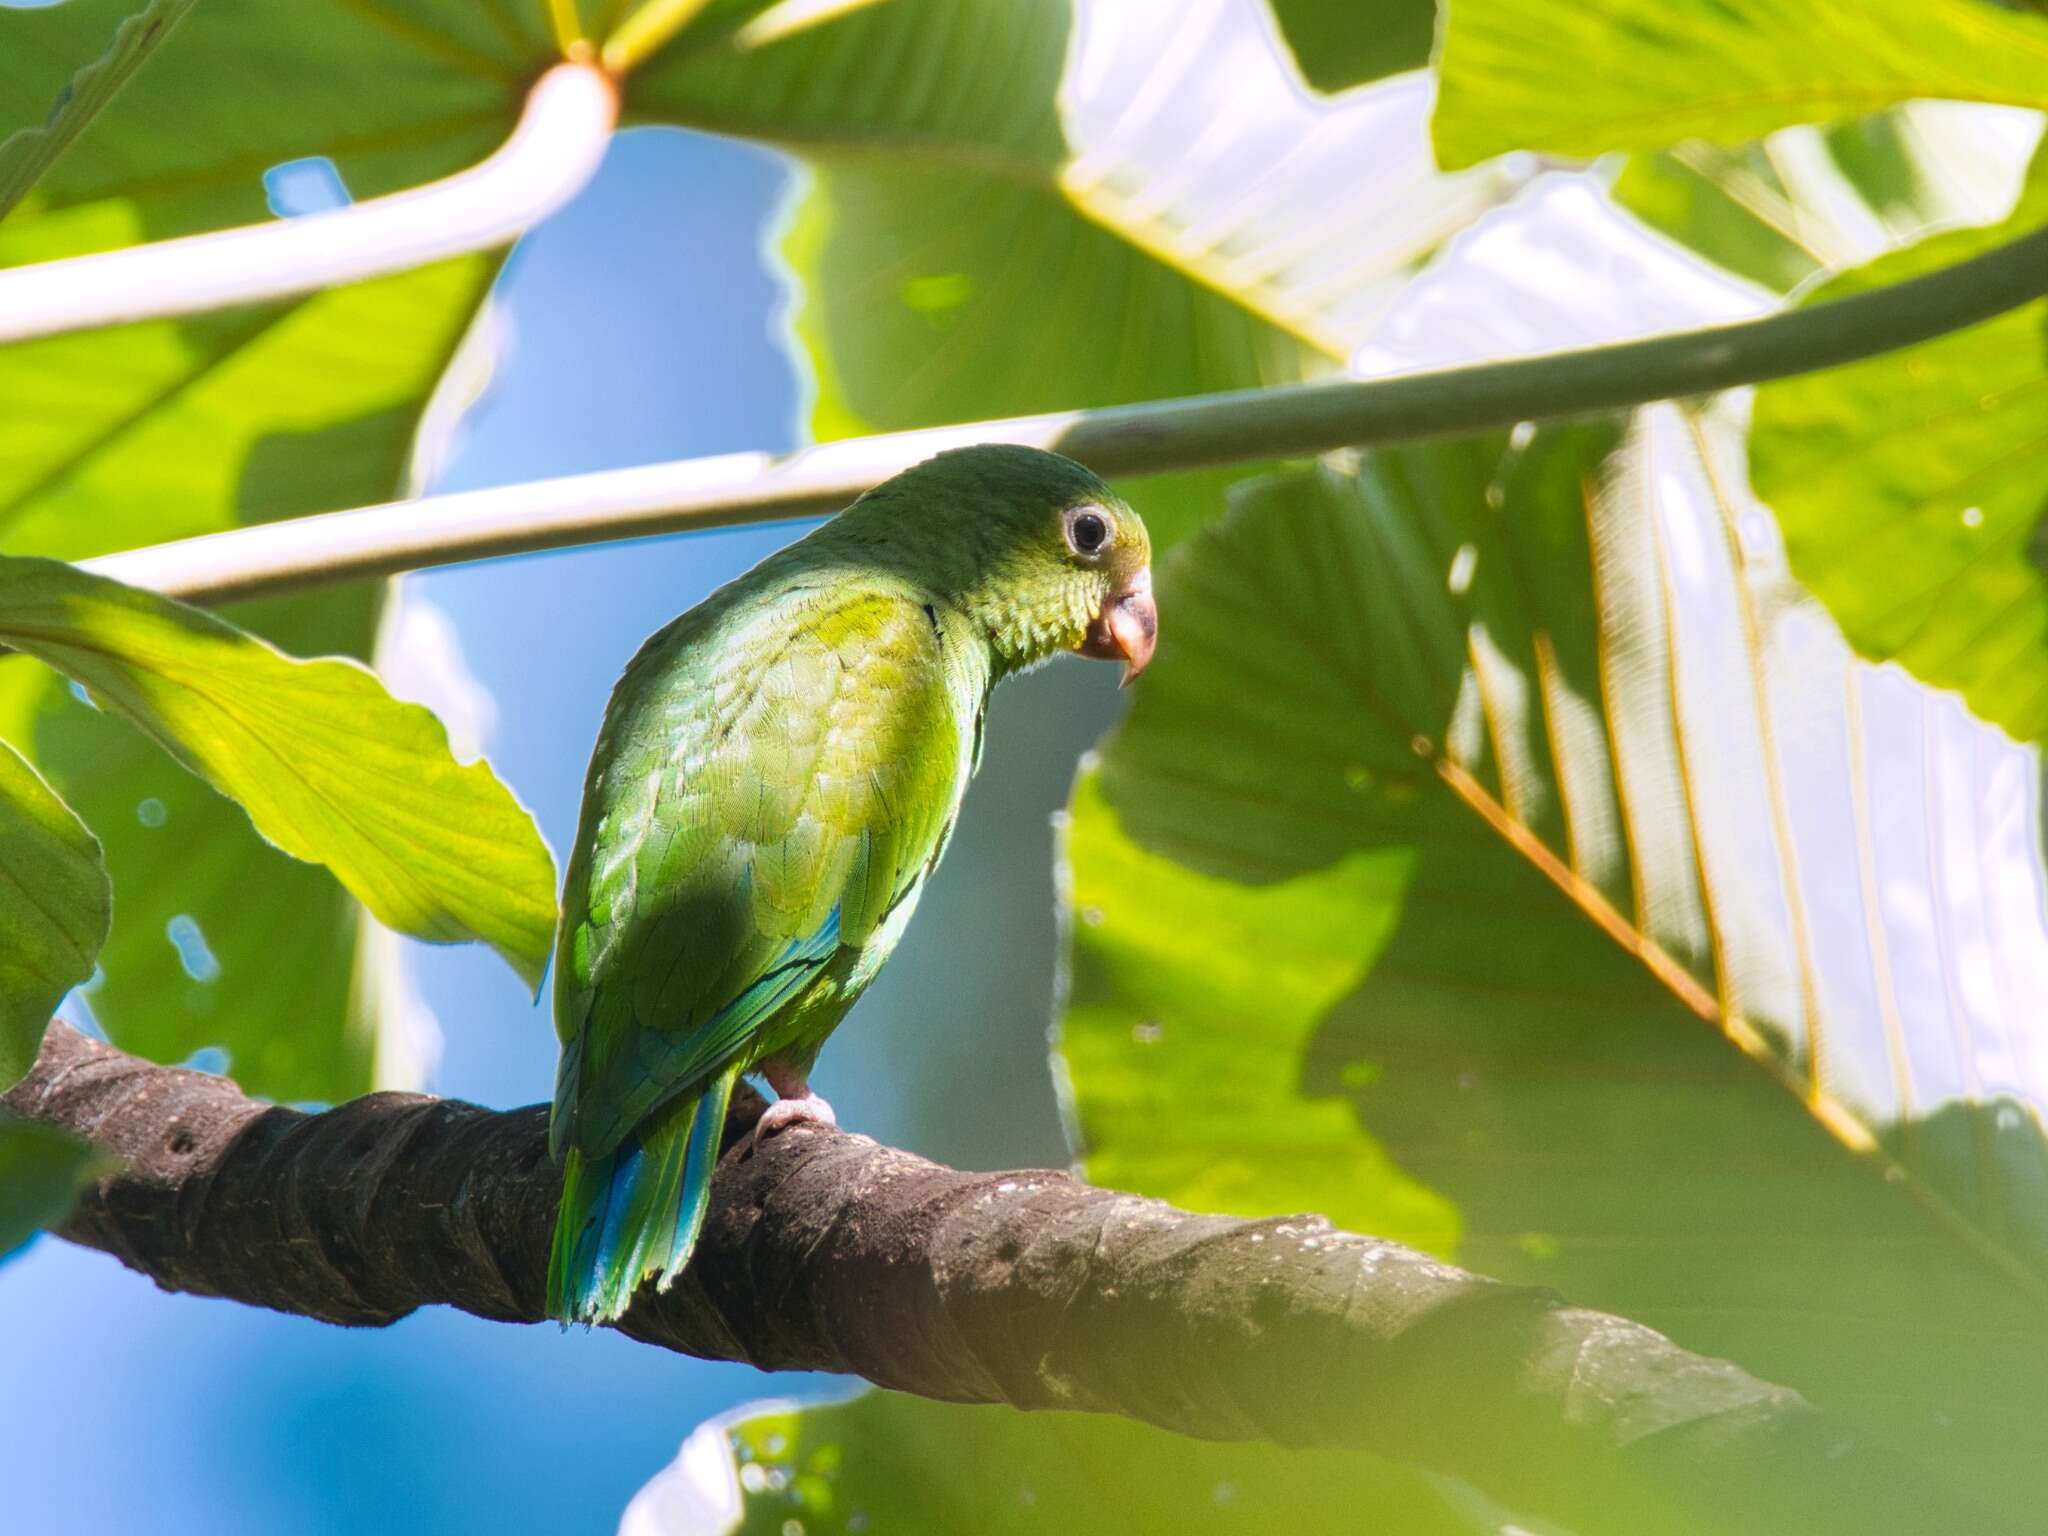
pixel 805 1109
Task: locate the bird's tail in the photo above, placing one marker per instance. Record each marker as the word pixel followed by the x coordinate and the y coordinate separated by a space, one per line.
pixel 633 1214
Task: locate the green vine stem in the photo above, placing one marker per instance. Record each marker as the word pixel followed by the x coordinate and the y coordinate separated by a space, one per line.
pixel 1151 438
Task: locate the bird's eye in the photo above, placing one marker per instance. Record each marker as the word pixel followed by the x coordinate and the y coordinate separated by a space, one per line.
pixel 1087 531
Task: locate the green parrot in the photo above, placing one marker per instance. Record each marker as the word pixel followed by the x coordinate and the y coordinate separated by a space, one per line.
pixel 777 775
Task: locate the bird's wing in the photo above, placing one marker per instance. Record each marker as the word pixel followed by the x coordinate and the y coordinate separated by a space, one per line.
pixel 765 790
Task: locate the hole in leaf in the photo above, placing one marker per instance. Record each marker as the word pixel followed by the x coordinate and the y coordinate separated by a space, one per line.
pixel 213 1060
pixel 193 952
pixel 311 185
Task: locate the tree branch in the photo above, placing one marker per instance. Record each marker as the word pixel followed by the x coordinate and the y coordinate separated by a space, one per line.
pixel 1151 438
pixel 824 1251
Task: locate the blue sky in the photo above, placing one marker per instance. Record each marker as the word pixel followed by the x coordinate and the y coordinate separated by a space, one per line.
pixel 647 324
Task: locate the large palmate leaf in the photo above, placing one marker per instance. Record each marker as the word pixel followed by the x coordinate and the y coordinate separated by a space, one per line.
pixel 1509 858
pixel 1912 492
pixel 1512 857
pixel 54 906
pixel 885 1462
pixel 1612 74
pixel 1023 206
pixel 328 765
pixel 28 152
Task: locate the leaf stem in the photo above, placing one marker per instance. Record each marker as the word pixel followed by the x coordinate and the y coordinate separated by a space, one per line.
pixel 646 31
pixel 1151 438
pixel 567 27
pixel 560 139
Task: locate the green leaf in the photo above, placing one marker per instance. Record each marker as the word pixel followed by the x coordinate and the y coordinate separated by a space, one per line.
pixel 885 1462
pixel 154 431
pixel 267 964
pixel 28 152
pixel 176 428
pixel 168 429
pixel 1614 74
pixel 42 1169
pixel 328 765
pixel 1342 43
pixel 1503 855
pixel 1912 493
pixel 54 907
pixel 396 96
pixel 1004 215
pixel 1808 201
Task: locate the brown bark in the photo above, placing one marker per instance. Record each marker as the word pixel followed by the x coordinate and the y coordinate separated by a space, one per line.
pixel 828 1252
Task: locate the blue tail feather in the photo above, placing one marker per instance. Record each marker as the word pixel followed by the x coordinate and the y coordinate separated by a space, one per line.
pixel 633 1214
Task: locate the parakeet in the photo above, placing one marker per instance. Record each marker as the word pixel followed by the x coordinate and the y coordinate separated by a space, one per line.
pixel 777 775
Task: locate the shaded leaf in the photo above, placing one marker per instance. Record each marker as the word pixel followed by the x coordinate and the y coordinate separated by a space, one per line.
pixel 55 902
pixel 1610 74
pixel 28 152
pixel 1341 43
pixel 328 765
pixel 885 1462
pixel 1912 492
pixel 42 1169
pixel 1608 926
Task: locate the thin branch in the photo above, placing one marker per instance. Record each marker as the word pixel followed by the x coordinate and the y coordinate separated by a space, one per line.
pixel 1123 440
pixel 824 1251
pixel 552 152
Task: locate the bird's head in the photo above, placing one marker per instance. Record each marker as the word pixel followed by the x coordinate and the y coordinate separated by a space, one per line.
pixel 1033 548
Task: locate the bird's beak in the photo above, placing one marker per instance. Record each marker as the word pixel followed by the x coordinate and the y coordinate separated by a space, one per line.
pixel 1126 628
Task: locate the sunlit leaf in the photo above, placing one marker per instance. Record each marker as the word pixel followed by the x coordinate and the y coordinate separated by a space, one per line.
pixel 1615 74
pixel 885 1462
pixel 174 428
pixel 1807 201
pixel 328 765
pixel 262 964
pixel 1504 855
pixel 54 906
pixel 29 151
pixel 1912 490
pixel 41 1171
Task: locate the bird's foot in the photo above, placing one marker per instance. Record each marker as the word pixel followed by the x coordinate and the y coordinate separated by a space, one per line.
pixel 803 1109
